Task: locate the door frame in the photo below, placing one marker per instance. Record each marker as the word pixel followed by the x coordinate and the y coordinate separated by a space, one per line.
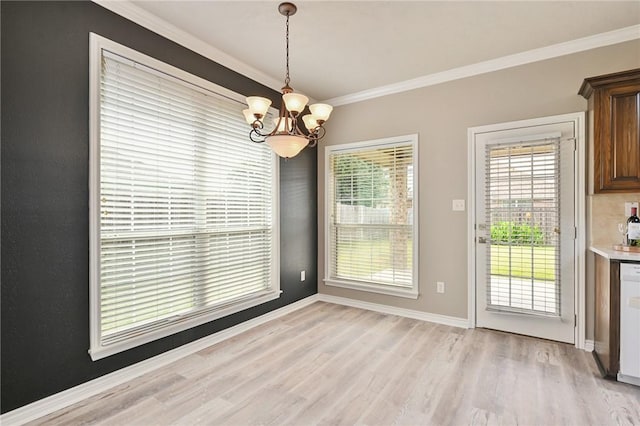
pixel 578 118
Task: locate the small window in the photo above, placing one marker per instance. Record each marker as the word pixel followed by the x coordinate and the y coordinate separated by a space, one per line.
pixel 371 195
pixel 183 207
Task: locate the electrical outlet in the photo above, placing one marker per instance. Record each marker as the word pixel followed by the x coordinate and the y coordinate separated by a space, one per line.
pixel 457 205
pixel 627 207
pixel 440 287
pixel 303 275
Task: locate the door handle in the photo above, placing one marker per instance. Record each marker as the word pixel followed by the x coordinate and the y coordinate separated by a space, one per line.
pixel 482 240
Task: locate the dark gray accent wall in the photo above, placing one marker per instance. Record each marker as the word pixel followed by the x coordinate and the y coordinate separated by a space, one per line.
pixel 44 176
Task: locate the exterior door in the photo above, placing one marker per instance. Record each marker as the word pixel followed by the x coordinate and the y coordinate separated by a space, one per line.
pixel 526 230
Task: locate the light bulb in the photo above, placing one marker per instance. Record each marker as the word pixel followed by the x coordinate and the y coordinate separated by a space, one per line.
pixel 258 105
pixel 295 102
pixel 321 111
pixel 249 116
pixel 285 124
pixel 310 122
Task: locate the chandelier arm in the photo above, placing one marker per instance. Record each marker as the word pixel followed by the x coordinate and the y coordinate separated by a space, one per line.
pixel 319 133
pixel 278 121
pixel 257 124
pixel 284 115
pixel 256 136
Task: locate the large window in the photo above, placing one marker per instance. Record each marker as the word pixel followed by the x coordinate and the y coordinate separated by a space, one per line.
pixel 371 199
pixel 183 205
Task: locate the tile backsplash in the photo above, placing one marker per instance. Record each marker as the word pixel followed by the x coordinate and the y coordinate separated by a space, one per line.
pixel 605 211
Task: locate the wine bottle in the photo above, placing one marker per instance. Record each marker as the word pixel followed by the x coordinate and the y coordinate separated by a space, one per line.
pixel 633 228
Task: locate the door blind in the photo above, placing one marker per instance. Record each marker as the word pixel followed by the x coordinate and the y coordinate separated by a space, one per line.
pixel 371 215
pixel 523 213
pixel 186 220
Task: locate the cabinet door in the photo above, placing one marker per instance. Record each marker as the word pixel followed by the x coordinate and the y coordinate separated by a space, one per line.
pixel 607 316
pixel 619 136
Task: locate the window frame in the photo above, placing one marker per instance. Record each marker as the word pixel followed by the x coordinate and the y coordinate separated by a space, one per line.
pixel 98 44
pixel 367 286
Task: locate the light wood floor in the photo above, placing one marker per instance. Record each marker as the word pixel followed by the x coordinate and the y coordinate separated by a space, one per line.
pixel 329 364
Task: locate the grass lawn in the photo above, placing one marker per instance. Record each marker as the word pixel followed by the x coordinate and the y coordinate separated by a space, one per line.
pixel 522 258
pixel 354 259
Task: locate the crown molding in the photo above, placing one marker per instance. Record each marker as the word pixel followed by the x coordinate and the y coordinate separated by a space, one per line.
pixel 141 17
pixel 549 52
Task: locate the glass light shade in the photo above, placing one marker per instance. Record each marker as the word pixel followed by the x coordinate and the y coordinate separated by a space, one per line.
pixel 248 116
pixel 258 105
pixel 284 122
pixel 287 146
pixel 310 122
pixel 295 102
pixel 321 111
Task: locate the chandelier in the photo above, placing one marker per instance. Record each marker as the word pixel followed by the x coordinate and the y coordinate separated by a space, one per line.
pixel 287 139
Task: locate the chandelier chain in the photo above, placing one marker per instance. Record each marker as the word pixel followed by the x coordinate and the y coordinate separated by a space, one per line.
pixel 287 79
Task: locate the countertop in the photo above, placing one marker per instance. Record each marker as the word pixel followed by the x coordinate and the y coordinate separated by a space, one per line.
pixel 609 253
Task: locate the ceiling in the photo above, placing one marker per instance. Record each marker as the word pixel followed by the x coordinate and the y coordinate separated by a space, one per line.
pixel 343 47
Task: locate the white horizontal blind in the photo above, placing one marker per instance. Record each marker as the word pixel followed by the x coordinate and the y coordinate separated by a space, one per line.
pixel 186 220
pixel 370 201
pixel 523 212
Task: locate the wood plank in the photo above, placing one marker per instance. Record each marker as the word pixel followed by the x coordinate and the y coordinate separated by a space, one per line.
pixel 330 364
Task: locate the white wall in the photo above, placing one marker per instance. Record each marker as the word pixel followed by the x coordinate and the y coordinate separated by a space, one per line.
pixel 441 116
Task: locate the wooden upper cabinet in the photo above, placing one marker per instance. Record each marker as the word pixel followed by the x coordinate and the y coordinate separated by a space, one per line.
pixel 614 104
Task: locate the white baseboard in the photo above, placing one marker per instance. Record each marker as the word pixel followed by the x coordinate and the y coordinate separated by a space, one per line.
pixel 628 379
pixel 589 345
pixel 78 393
pixel 392 310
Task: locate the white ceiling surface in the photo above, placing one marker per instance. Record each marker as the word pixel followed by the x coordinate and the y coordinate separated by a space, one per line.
pixel 343 47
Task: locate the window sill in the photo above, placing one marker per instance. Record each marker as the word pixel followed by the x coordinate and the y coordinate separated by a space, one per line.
pixel 409 293
pixel 180 324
